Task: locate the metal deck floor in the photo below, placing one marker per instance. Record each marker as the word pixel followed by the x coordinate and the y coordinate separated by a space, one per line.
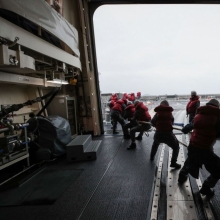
pixel 118 185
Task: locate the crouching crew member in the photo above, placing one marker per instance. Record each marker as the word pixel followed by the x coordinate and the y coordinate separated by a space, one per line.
pixel 206 129
pixel 163 122
pixel 128 114
pixel 192 106
pixel 111 104
pixel 129 111
pixel 116 114
pixel 141 114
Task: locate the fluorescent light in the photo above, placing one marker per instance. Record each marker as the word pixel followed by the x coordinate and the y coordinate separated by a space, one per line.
pixel 58 81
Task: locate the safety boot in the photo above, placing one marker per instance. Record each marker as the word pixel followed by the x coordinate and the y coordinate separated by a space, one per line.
pixel 175 165
pixel 182 178
pixel 132 146
pixel 206 191
pixel 139 138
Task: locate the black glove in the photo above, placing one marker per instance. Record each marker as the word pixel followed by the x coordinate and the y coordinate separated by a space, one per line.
pixel 186 129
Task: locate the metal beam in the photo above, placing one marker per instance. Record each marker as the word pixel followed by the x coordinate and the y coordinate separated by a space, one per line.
pixel 9 31
pixel 25 80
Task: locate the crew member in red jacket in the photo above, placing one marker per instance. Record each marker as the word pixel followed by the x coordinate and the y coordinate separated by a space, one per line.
pixel 206 130
pixel 129 111
pixel 124 96
pixel 117 112
pixel 138 95
pixel 192 106
pixel 114 97
pixel 163 122
pixel 131 97
pixel 141 114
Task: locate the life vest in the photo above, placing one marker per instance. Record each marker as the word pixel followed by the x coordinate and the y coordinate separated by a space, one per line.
pixel 114 98
pixel 191 106
pixel 111 104
pixel 129 111
pixel 138 95
pixel 125 96
pixel 204 133
pixel 144 114
pixel 118 106
pixel 164 121
pixel 131 97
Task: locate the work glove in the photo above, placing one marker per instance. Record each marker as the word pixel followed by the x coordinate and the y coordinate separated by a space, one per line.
pixel 186 129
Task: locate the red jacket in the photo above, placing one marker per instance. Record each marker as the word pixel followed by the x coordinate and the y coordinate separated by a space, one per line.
pixel 129 111
pixel 111 104
pixel 138 95
pixel 118 106
pixel 192 105
pixel 205 132
pixel 141 112
pixel 163 119
pixel 125 96
pixel 114 98
pixel 131 97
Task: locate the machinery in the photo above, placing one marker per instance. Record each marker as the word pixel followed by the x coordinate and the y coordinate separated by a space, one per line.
pixel 41 138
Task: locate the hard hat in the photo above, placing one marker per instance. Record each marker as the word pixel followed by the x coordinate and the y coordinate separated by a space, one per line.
pixel 165 102
pixel 193 93
pixel 214 102
pixel 129 103
pixel 113 93
pixel 136 102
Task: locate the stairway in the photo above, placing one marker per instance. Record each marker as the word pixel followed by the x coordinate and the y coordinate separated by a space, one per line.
pixel 83 148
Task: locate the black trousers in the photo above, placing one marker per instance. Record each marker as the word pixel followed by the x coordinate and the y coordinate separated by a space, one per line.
pixel 135 128
pixel 198 157
pixel 167 138
pixel 191 117
pixel 116 117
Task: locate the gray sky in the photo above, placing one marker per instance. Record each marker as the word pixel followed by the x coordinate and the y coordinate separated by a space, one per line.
pixel 158 49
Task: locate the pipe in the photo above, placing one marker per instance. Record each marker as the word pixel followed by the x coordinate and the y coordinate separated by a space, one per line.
pixel 15 42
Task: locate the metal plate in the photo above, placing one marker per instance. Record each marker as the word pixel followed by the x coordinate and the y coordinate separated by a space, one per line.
pixel 181 210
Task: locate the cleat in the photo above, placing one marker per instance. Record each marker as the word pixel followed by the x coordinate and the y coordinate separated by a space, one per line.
pixel 206 191
pixel 138 138
pixel 175 165
pixel 132 146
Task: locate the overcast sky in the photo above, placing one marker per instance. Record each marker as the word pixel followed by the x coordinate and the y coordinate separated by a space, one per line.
pixel 158 49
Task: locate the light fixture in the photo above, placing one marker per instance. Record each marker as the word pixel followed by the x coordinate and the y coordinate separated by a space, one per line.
pixel 57 81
